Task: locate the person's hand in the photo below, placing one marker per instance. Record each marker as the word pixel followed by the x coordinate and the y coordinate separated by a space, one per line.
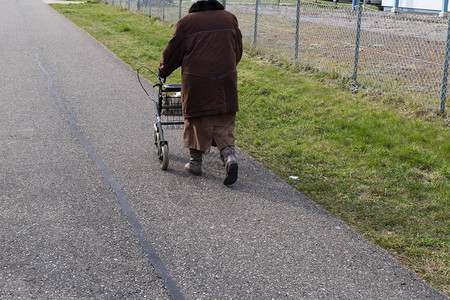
pixel 162 79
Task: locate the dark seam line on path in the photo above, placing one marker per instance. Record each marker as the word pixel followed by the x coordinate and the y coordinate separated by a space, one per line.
pixel 157 263
pixel 21 11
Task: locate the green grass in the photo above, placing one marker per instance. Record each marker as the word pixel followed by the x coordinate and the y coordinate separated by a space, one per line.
pixel 384 171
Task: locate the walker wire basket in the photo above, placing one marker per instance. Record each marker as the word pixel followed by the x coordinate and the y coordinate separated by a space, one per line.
pixel 170 108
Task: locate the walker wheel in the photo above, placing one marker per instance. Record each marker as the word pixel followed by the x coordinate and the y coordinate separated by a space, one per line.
pixel 164 157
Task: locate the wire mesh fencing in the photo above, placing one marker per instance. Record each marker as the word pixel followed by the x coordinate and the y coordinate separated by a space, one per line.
pixel 404 54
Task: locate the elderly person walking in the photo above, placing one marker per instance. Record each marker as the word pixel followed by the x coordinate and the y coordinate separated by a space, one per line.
pixel 207 44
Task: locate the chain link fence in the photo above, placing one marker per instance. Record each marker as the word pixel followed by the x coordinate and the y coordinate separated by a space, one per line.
pixel 404 54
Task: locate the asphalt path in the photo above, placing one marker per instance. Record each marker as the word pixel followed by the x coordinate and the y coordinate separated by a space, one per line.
pixel 86 212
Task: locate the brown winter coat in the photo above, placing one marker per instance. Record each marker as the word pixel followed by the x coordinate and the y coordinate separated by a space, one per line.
pixel 207 44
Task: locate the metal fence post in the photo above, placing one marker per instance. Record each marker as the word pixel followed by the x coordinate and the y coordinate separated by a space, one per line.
pixel 138 6
pixel 163 10
pixel 297 30
pixel 129 5
pixel 149 8
pixel 179 11
pixel 446 65
pixel 358 33
pixel 255 30
pixel 224 3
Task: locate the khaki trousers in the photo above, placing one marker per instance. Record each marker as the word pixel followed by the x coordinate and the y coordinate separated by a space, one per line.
pixel 199 132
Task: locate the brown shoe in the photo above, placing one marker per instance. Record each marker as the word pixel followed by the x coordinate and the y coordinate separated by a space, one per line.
pixel 194 165
pixel 231 165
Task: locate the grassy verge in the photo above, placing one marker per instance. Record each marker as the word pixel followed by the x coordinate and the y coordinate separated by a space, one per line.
pixel 383 171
